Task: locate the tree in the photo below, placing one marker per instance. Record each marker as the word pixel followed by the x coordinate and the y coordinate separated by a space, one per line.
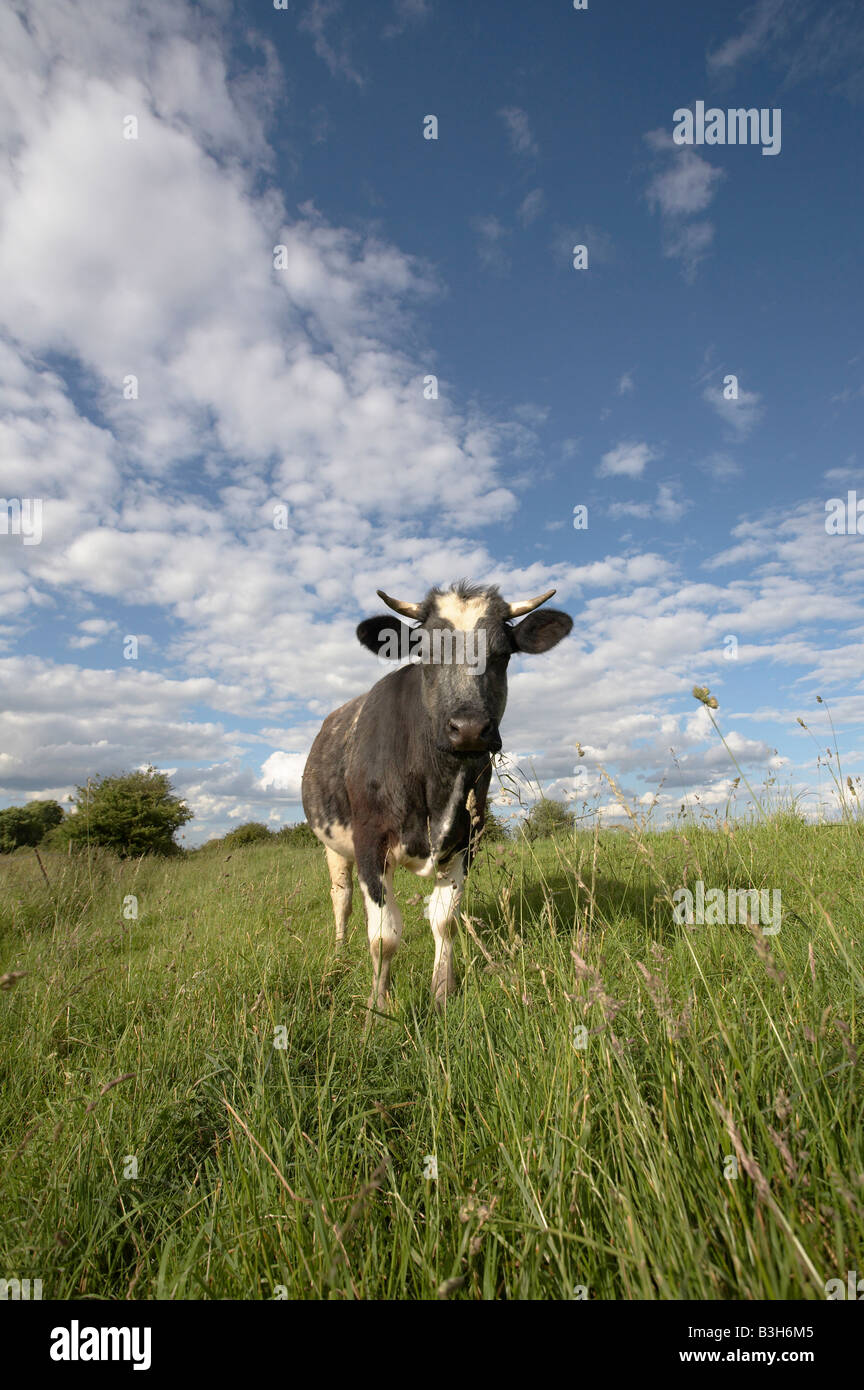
pixel 547 817
pixel 133 813
pixel 495 830
pixel 27 825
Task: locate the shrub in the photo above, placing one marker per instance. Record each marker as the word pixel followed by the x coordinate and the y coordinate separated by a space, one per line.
pixel 495 830
pixel 251 833
pixel 299 836
pixel 547 817
pixel 28 825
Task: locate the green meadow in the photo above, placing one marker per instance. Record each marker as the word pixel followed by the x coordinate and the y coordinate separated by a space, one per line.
pixel 615 1105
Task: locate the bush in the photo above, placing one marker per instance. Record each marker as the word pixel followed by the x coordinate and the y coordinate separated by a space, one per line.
pixel 495 830
pixel 299 836
pixel 251 833
pixel 547 817
pixel 59 836
pixel 28 825
pixel 134 813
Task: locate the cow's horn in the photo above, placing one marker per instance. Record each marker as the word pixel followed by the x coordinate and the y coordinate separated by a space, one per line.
pixel 408 610
pixel 527 605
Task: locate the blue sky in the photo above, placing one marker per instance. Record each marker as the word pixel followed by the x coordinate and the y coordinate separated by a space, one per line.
pixel 302 386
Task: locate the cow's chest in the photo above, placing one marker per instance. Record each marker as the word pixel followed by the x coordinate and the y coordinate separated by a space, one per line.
pixel 431 840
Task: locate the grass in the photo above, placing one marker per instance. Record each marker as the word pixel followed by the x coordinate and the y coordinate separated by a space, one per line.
pixel 307 1170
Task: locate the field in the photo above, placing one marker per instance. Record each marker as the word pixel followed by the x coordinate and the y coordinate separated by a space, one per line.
pixel 705 1141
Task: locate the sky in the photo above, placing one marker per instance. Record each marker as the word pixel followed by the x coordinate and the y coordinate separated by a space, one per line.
pixel 271 338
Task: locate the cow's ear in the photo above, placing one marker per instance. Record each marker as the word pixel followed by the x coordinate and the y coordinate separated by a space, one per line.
pixel 385 636
pixel 540 631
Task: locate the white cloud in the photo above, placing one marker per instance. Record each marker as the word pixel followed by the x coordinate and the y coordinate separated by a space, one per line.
pixel 739 415
pixel 320 19
pixel 492 237
pixel 519 129
pixel 599 244
pixel 406 15
pixel 283 772
pixel 844 475
pixel 689 243
pixel 762 23
pixel 628 459
pixel 684 187
pixel 668 506
pixel 531 207
pixel 824 47
pixel 721 467
pixel 91 631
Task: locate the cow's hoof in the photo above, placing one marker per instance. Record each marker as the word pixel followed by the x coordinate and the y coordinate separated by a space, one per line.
pixel 376 1005
pixel 441 993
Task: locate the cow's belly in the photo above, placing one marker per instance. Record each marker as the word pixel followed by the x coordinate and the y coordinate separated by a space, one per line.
pixel 434 866
pixel 424 868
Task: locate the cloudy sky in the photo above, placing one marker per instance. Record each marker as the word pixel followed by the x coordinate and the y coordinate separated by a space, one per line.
pixel 234 446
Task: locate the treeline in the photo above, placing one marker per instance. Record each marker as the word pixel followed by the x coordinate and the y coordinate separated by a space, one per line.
pixel 546 817
pixel 28 825
pixel 132 814
pixel 138 813
pixel 255 832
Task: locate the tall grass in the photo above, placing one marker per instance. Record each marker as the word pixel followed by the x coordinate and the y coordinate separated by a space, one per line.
pixel 607 1170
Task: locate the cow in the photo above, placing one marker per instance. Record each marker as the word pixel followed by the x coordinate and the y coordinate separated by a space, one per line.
pixel 400 775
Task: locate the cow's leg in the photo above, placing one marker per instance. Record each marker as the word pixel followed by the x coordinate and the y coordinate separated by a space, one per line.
pixel 443 906
pixel 341 890
pixel 383 918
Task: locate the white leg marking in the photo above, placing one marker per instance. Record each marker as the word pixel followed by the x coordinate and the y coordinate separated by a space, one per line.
pixel 443 906
pixel 384 927
pixel 341 890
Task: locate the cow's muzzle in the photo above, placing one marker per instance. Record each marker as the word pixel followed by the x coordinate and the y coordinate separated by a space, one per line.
pixel 472 733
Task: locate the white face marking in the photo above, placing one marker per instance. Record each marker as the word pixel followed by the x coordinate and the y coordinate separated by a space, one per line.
pixel 463 614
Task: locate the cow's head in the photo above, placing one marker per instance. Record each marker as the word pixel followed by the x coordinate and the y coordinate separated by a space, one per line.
pixel 463 638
